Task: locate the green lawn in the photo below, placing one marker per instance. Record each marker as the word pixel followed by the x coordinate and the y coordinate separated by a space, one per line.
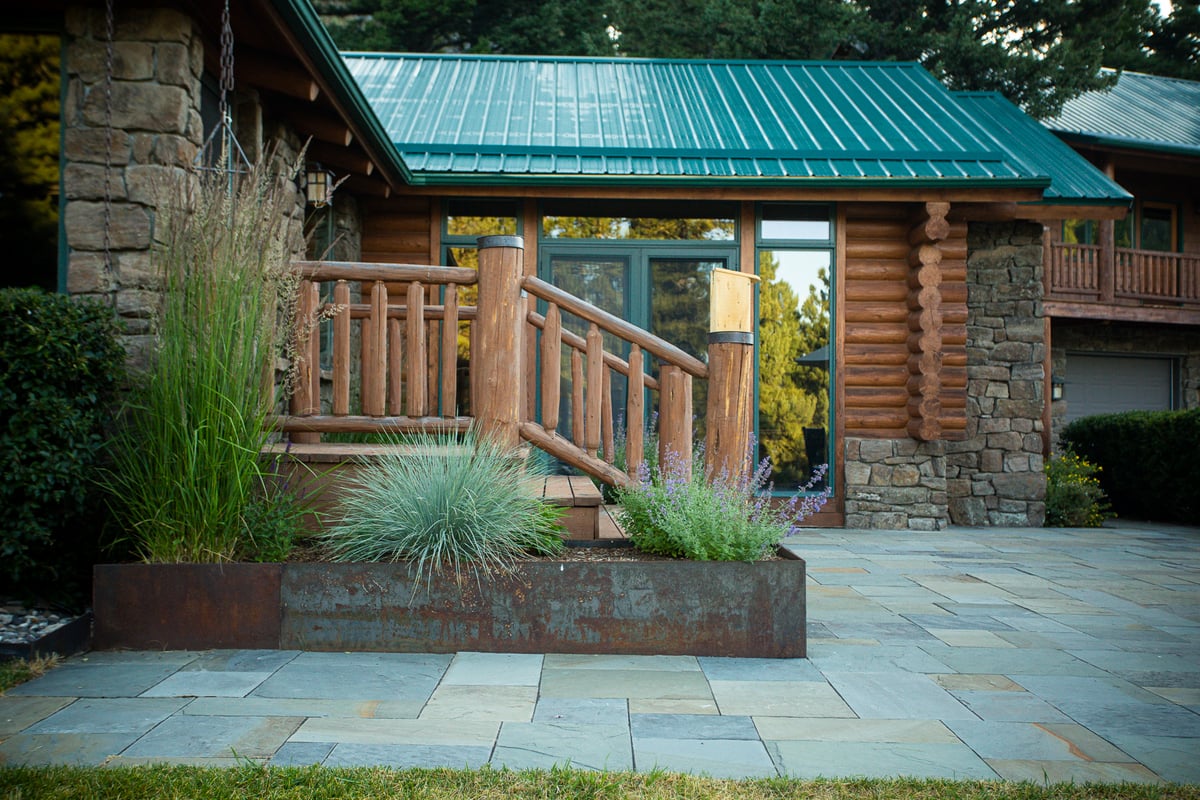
pixel 18 670
pixel 312 783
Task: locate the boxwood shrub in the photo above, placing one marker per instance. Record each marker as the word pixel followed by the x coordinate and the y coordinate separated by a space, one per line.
pixel 60 368
pixel 1148 459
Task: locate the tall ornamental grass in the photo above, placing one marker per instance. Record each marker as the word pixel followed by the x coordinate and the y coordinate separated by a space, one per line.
pixel 188 480
pixel 441 502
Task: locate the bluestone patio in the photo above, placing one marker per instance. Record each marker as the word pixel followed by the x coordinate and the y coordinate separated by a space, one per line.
pixel 1016 654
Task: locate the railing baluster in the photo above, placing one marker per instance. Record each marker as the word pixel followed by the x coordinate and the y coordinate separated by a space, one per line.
pixel 595 387
pixel 675 422
pixel 303 401
pixel 551 358
pixel 374 401
pixel 606 419
pixel 450 351
pixel 577 430
pixel 341 349
pixel 395 367
pixel 418 394
pixel 635 414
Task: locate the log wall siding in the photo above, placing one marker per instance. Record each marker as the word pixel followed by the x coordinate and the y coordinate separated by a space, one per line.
pixel 397 231
pixel 880 291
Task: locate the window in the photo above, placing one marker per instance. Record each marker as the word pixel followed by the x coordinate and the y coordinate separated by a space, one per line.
pixel 795 367
pixel 1156 227
pixel 1079 231
pixel 653 221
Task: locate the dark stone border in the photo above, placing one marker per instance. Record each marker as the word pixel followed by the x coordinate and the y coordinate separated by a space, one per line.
pixel 619 607
pixel 65 640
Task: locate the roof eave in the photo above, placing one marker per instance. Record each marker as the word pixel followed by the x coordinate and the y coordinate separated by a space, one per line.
pixel 312 36
pixel 1126 143
pixel 839 182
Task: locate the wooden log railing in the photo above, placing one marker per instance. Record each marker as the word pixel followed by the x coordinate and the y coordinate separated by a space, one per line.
pixel 395 355
pixel 591 446
pixel 1074 268
pixel 1148 275
pixel 400 358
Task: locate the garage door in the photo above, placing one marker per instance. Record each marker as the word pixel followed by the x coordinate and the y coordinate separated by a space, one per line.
pixel 1108 384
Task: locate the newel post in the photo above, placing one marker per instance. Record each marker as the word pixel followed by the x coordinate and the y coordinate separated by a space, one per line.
pixel 730 412
pixel 500 325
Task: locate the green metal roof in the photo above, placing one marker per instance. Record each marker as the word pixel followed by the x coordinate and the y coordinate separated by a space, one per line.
pixel 1142 112
pixel 458 119
pixel 1073 178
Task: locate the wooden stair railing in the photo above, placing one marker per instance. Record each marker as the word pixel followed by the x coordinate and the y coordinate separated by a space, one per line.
pixel 591 447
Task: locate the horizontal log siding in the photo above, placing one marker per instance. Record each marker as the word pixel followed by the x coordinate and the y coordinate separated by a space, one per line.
pixel 875 354
pixel 396 231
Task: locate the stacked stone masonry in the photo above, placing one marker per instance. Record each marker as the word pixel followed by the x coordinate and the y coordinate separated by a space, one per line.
pixel 155 133
pixel 896 484
pixel 995 476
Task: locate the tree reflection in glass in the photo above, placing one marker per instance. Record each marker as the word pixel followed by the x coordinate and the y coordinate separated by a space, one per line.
pixel 793 363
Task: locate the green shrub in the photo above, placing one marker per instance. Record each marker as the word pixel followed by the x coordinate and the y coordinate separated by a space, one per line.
pixel 188 484
pixel 60 368
pixel 1074 498
pixel 1149 468
pixel 717 520
pixel 466 504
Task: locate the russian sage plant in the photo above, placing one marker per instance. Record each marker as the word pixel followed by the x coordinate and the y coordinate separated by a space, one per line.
pixel 719 519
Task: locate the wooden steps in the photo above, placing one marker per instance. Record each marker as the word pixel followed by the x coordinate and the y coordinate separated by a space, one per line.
pixel 582 500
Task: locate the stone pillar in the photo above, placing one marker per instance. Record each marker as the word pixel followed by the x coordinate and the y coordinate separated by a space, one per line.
pixel 156 130
pixel 995 476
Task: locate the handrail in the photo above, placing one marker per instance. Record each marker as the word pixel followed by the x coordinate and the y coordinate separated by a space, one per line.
pixel 1148 275
pixel 391 273
pixel 664 350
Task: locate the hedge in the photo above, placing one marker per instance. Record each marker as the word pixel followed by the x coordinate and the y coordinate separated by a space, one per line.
pixel 1150 461
pixel 61 366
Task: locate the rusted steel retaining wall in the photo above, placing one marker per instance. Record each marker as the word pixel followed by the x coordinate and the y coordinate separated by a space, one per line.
pixel 668 607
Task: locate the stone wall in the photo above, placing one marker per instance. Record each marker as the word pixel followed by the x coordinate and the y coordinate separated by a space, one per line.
pixel 1115 338
pixel 995 476
pixel 156 131
pixel 896 484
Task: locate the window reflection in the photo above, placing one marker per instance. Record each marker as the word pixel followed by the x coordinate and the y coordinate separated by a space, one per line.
pixel 794 363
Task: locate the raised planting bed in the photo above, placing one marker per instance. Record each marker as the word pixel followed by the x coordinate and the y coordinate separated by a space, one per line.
pixel 622 607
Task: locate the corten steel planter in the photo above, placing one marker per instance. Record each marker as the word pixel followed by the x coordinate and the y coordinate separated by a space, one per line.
pixel 622 607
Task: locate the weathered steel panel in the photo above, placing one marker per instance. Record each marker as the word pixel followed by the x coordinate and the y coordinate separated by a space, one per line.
pixel 626 607
pixel 186 606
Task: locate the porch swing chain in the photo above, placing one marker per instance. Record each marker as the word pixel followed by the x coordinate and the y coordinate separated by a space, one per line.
pixel 108 137
pixel 226 70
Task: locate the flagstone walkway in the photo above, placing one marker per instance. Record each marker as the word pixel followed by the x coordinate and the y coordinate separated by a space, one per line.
pixel 1060 655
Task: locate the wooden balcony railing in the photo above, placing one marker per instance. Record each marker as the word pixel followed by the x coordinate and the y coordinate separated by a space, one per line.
pixel 406 374
pixel 1079 270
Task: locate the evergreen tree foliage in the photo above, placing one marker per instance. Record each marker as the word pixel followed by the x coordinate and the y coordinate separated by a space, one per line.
pixel 1038 53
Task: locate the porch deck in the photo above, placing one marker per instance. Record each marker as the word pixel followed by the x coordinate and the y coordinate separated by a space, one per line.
pixel 327 464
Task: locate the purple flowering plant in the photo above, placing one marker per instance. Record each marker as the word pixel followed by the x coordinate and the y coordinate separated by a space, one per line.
pixel 675 510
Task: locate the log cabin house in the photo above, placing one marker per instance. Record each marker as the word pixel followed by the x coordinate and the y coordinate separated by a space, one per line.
pixel 898 330
pixel 1123 296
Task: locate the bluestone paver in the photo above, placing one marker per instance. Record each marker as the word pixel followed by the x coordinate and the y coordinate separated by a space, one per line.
pixel 103 715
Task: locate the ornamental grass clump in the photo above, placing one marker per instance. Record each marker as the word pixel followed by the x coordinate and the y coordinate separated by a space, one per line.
pixel 442 502
pixel 1074 498
pixel 188 483
pixel 719 519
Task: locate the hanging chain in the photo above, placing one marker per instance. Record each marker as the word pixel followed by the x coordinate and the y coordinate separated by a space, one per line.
pixel 108 137
pixel 226 65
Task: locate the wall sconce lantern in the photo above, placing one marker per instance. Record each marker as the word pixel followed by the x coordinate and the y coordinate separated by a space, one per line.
pixel 318 186
pixel 1057 387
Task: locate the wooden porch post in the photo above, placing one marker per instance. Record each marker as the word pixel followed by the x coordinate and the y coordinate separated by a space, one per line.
pixel 730 412
pixel 497 359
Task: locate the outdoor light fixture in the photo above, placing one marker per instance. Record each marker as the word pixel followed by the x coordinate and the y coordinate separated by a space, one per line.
pixel 318 185
pixel 1057 386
